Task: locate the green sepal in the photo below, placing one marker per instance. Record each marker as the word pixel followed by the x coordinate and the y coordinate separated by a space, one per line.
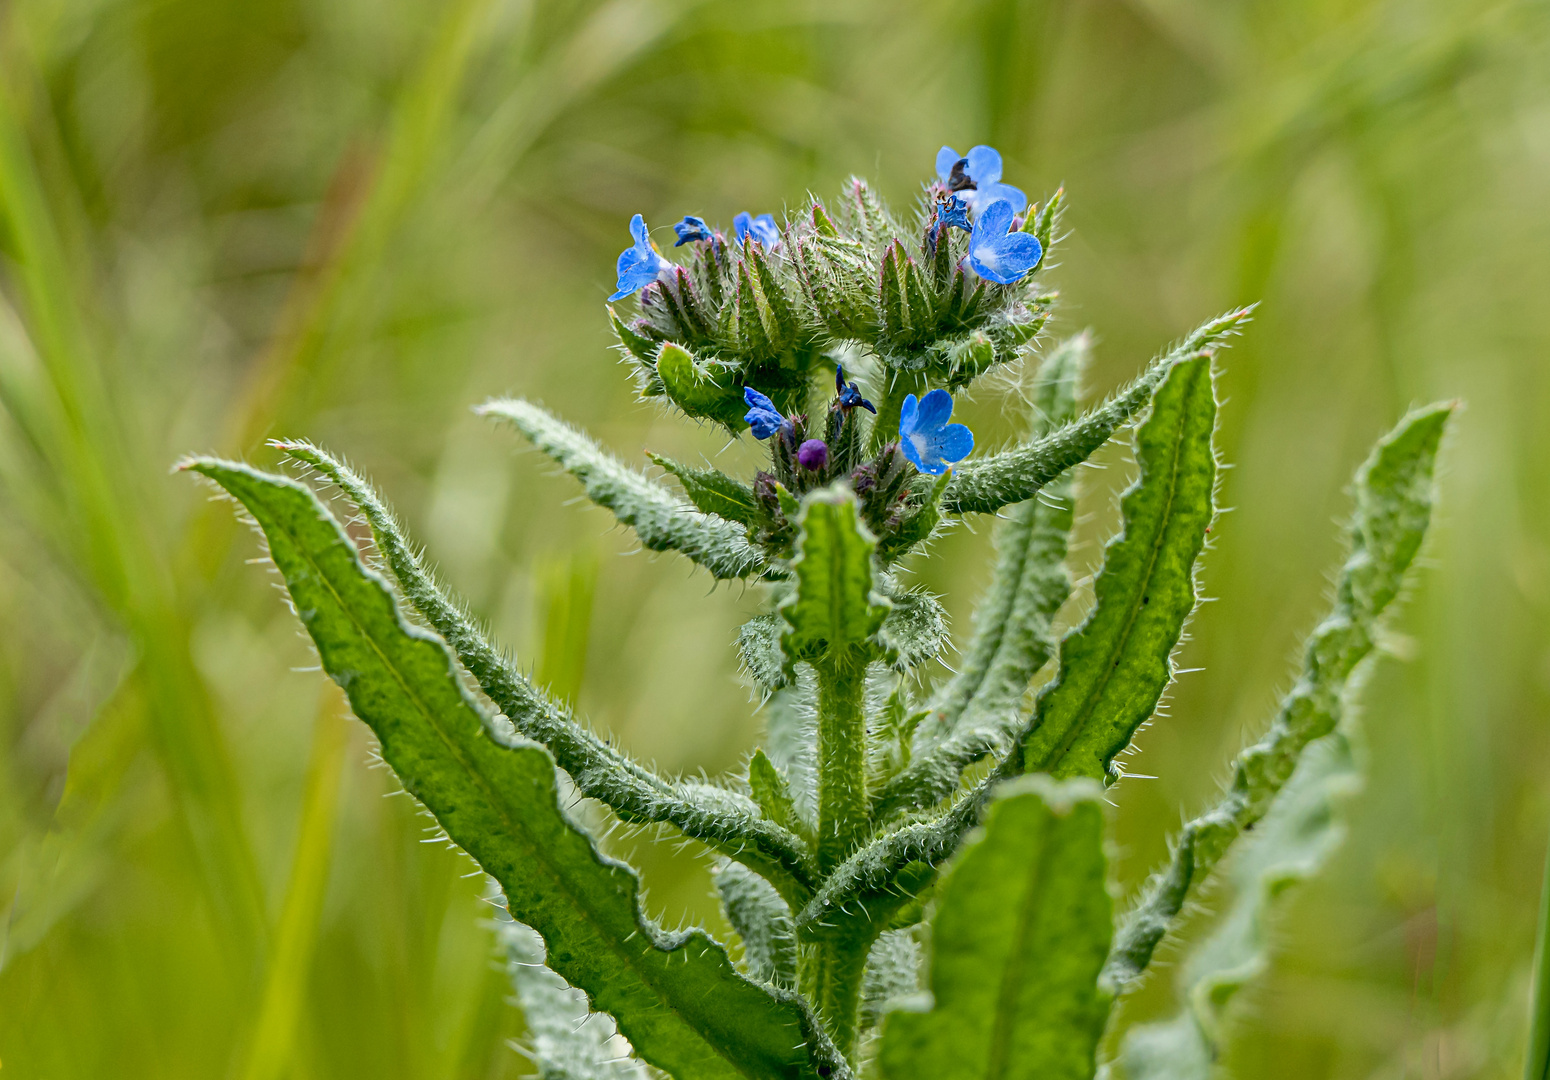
pixel 1116 665
pixel 823 224
pixel 640 347
pixel 922 523
pixel 1021 928
pixel 1043 224
pixel 713 491
pixel 772 792
pixel 871 218
pixel 965 360
pixel 752 322
pixel 834 608
pixel 675 996
pixel 708 390
pixel 891 302
pixel 781 319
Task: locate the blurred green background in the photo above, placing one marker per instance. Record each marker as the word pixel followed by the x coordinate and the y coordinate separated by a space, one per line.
pixel 224 220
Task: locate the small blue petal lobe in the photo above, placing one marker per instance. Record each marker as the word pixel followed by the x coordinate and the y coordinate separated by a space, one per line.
pixel 984 165
pixel 955 443
pixel 946 158
pixel 692 228
pixel 935 409
pixel 762 416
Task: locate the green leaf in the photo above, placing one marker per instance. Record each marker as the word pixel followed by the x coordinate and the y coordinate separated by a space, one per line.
pixel 661 520
pixel 758 642
pixel 676 997
pixel 1290 846
pixel 914 630
pixel 713 491
pixel 978 709
pixel 772 792
pixel 566 1039
pixel 984 485
pixel 1393 508
pixel 1116 665
pixel 1022 925
pixel 706 390
pixel 599 770
pixel 763 921
pixel 834 608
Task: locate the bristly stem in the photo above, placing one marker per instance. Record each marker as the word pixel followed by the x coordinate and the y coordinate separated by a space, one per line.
pixel 842 796
pixel 1537 1066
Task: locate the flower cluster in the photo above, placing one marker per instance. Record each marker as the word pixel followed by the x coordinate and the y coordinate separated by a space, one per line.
pixel 737 328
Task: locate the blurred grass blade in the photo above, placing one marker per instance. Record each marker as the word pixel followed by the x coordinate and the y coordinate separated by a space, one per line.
pixel 1021 928
pixel 1393 509
pixel 273 1039
pixel 1537 1065
pixel 983 485
pixel 1291 845
pixel 334 317
pixel 676 997
pixel 663 521
pixel 114 551
pixel 565 1038
pixel 566 586
pixel 1116 665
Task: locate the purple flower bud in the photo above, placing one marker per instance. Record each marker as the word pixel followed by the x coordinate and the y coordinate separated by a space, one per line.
pixel 813 454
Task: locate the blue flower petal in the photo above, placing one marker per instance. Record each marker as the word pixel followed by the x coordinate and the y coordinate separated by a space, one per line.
pixel 989 194
pixel 761 228
pixel 762 416
pixel 639 231
pixel 926 438
pixel 955 212
pixel 934 410
pixel 692 228
pixel 639 264
pixel 954 443
pixel 946 158
pixel 984 165
pixel 994 220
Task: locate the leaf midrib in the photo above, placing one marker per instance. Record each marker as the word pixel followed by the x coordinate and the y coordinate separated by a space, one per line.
pixel 1090 702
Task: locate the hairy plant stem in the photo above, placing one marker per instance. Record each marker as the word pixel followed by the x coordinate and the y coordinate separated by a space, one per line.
pixel 842 798
pixel 833 968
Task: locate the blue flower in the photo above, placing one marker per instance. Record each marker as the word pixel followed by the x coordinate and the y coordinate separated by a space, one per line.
pixel 761 228
pixel 692 228
pixel 978 181
pixel 998 255
pixel 849 395
pixel 954 211
pixel 639 265
pixel 763 416
pixel 925 436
